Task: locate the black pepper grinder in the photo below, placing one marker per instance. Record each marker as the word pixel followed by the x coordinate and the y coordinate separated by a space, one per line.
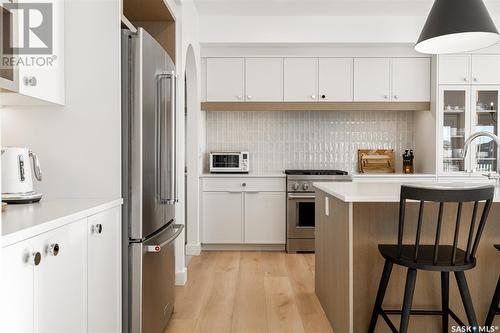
pixel 408 161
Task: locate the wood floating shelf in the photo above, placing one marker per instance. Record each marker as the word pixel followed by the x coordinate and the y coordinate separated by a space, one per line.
pixel 315 106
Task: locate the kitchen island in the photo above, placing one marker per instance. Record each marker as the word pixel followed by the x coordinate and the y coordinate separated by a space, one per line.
pixel 352 218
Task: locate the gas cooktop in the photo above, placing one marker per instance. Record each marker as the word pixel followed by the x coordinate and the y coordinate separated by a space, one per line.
pixel 315 172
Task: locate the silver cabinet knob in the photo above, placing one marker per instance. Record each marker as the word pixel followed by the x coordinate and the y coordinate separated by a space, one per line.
pixel 396 96
pixel 243 184
pixel 30 81
pixel 249 96
pixel 53 249
pixel 97 228
pixel 475 79
pixel 239 97
pixel 313 96
pixel 465 79
pixel 386 97
pixel 35 258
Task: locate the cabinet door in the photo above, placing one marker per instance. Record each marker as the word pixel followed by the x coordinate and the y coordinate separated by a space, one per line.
pixel 335 79
pixel 484 107
pixel 301 79
pixel 17 288
pixel 61 280
pixel 225 79
pixel 486 69
pixel 411 79
pixel 222 217
pixel 264 79
pixel 265 217
pixel 454 115
pixel 104 271
pixel 454 69
pixel 44 79
pixel 372 79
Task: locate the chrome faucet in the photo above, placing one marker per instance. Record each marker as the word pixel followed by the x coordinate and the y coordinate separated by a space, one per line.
pixel 494 138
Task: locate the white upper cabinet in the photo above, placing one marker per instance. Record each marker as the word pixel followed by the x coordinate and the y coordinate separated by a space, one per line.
pixel 485 69
pixel 264 79
pixel 225 79
pixel 454 69
pixel 411 79
pixel 40 70
pixel 301 79
pixel 335 79
pixel 372 79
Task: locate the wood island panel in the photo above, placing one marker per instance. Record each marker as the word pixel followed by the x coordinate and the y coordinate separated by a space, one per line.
pixel 375 223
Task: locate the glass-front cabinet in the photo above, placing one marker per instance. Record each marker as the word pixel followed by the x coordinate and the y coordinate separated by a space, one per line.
pixel 485 118
pixel 455 126
pixel 464 110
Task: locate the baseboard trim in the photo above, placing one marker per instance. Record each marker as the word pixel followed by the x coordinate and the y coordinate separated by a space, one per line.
pixel 243 247
pixel 193 249
pixel 181 277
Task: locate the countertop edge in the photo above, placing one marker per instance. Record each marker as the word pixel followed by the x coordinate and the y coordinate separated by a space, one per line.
pixel 240 175
pixel 41 228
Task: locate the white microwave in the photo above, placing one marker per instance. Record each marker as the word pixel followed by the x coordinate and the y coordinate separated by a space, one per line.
pixel 237 162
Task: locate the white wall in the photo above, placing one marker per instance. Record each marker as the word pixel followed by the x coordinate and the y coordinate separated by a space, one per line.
pixel 79 144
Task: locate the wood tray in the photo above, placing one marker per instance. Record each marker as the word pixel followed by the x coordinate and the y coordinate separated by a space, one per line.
pixel 376 161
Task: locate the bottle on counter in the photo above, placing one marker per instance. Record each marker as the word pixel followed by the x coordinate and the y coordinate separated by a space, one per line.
pixel 408 161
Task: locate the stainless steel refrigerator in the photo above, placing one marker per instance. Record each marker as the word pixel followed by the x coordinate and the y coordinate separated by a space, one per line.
pixel 149 182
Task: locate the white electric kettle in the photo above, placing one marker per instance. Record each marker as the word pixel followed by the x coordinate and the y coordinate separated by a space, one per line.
pixel 17 180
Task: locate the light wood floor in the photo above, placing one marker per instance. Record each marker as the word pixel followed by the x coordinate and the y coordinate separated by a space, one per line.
pixel 249 292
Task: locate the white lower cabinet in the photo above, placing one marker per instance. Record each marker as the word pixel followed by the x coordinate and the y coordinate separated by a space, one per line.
pixel 60 280
pixel 265 213
pixel 222 217
pixel 244 211
pixel 104 270
pixel 54 282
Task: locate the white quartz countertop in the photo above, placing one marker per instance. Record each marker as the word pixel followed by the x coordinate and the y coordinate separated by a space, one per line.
pixel 381 191
pixel 21 222
pixel 243 175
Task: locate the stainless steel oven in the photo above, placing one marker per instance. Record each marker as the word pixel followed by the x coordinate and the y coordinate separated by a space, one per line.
pixel 300 216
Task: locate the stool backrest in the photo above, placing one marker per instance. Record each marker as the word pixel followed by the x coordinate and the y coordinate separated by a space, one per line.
pixel 442 196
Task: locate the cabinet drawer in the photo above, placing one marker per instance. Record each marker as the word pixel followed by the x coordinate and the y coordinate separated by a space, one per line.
pixel 244 184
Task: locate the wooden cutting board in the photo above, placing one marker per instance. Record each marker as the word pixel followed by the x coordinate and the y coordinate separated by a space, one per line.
pixel 376 161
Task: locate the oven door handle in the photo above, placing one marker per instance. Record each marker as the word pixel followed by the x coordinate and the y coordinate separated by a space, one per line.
pixel 301 196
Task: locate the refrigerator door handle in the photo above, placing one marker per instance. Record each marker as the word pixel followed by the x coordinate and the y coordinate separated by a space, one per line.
pixel 158 141
pixel 172 197
pixel 157 247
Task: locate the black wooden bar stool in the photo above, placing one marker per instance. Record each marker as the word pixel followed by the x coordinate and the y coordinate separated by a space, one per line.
pixel 494 309
pixel 435 257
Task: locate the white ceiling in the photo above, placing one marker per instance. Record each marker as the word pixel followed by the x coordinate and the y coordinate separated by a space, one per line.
pixel 322 7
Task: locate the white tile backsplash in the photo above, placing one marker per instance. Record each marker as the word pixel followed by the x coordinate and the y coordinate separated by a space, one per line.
pixel 308 139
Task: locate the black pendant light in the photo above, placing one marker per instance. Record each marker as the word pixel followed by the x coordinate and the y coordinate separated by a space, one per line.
pixel 455 26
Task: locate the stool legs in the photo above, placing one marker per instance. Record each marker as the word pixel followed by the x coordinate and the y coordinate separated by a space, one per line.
pixel 494 305
pixel 445 299
pixel 466 299
pixel 411 276
pixel 384 280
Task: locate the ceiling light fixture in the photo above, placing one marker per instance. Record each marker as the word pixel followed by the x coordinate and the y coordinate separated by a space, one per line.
pixel 455 26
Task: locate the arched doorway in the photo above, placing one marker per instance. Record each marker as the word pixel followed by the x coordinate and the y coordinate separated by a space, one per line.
pixel 191 165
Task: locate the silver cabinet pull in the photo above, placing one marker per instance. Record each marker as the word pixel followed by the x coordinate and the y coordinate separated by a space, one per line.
pixel 30 81
pixel 53 249
pixel 35 258
pixel 155 248
pixel 97 228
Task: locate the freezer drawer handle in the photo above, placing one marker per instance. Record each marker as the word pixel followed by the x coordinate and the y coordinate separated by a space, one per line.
pixel 157 247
